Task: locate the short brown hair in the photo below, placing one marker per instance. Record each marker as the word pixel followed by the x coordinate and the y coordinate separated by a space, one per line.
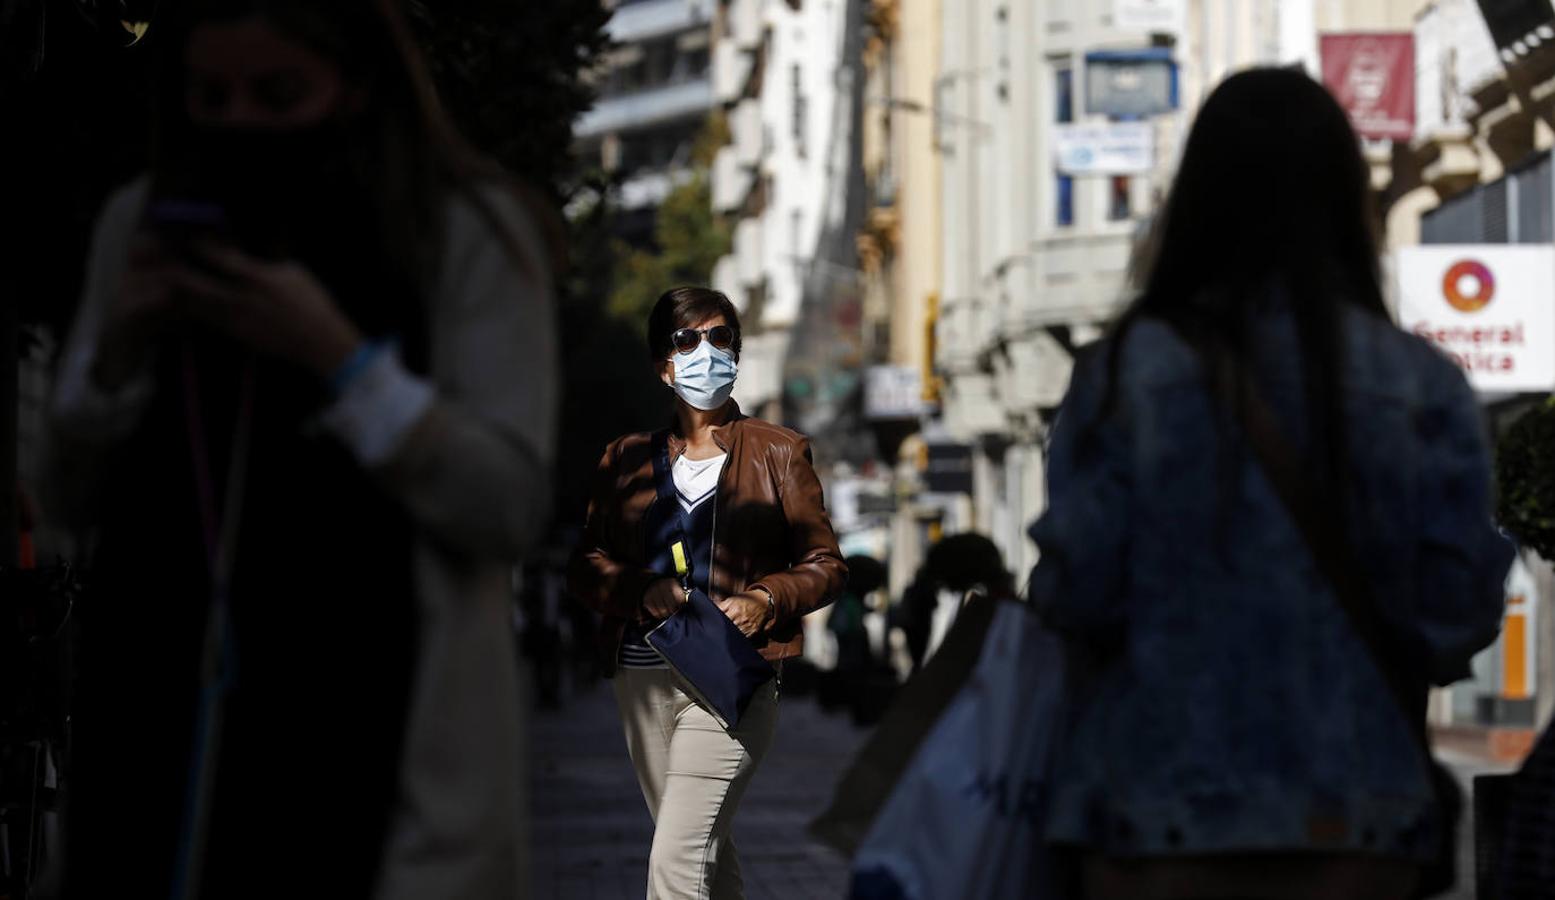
pixel 683 307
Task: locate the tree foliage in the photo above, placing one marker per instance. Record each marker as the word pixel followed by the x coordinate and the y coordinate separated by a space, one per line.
pixel 688 238
pixel 513 75
pixel 1526 505
pixel 689 242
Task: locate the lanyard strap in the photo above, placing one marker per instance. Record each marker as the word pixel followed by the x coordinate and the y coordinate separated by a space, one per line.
pixel 219 525
pixel 219 529
pixel 664 478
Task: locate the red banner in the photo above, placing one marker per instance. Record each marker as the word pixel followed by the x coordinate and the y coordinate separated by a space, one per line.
pixel 1373 75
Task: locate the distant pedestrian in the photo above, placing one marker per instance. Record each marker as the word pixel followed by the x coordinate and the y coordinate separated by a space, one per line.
pixel 970 563
pixel 964 564
pixel 913 615
pixel 846 621
pixel 1233 735
pixel 749 505
pixel 308 404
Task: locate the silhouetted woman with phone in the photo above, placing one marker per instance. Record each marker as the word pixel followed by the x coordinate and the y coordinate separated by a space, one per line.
pixel 308 404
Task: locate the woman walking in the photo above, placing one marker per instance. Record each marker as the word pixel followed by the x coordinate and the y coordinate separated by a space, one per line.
pixel 1235 734
pixel 748 505
pixel 308 403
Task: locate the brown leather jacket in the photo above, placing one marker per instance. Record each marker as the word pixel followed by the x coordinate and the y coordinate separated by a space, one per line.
pixel 770 530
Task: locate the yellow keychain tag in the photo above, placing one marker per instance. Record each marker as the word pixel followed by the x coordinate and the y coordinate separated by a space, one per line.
pixel 679 551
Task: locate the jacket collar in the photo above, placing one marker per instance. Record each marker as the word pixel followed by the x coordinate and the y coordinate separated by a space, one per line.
pixel 725 437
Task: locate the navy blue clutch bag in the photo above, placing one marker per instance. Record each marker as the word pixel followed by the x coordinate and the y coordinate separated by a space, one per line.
pixel 720 664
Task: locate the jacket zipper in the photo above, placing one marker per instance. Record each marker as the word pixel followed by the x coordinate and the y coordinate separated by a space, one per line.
pixel 712 551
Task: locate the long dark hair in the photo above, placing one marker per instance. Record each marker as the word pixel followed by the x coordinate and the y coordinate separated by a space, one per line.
pixel 1271 204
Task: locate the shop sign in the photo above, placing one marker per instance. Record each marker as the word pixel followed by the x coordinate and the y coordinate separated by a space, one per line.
pixel 1489 307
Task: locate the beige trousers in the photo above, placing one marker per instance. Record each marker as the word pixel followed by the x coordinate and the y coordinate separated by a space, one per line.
pixel 692 774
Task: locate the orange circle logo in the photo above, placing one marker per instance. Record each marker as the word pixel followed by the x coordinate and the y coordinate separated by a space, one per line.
pixel 1468 286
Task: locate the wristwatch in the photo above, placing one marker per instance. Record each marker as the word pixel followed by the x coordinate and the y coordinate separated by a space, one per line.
pixel 771 603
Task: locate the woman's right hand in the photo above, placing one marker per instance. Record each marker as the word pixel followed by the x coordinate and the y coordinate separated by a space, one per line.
pixel 139 312
pixel 662 599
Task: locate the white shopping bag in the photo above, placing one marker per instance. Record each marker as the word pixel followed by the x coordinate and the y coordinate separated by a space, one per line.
pixel 965 820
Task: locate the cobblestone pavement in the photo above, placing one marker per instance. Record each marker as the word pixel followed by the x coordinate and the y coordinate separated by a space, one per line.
pixel 1466 767
pixel 591 831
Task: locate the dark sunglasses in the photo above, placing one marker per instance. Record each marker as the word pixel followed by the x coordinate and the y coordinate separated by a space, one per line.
pixel 687 339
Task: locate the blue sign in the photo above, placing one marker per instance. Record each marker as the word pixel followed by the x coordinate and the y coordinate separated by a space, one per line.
pixel 1130 84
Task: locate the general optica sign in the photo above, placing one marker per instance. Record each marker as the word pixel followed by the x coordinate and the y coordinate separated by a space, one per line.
pixel 1490 307
pixel 1373 77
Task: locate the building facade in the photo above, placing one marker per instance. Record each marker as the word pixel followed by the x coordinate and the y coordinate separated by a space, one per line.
pixel 785 76
pixel 655 94
pixel 1037 237
pixel 1481 171
pixel 902 260
pixel 1060 127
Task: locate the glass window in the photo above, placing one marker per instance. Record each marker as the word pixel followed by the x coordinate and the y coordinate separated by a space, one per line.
pixel 1118 203
pixel 1063 113
pixel 1063 95
pixel 1064 197
pixel 799 108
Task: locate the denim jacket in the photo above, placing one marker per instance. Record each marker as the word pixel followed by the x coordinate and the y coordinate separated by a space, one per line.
pixel 1223 701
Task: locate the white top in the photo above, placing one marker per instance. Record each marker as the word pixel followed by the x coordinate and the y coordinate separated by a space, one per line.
pixel 696 480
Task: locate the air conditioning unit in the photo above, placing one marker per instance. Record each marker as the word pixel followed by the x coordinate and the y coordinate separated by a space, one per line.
pixel 732 182
pixel 731 71
pixel 746 132
pixel 745 23
pixel 747 251
pixel 726 278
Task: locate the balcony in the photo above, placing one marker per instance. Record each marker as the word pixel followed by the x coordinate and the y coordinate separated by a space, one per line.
pixel 646 108
pixel 747 252
pixel 648 189
pixel 655 18
pixel 1450 160
pixel 731 71
pixel 745 23
pixel 746 132
pixel 726 278
pixel 732 182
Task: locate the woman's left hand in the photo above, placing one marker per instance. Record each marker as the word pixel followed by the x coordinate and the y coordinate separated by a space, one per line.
pixel 278 309
pixel 748 611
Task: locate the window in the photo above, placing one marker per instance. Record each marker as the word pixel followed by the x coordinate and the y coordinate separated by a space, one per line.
pixel 1063 113
pixel 1063 94
pixel 1118 203
pixel 798 107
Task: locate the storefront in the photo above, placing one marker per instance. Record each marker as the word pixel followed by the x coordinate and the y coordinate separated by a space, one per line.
pixel 1482 288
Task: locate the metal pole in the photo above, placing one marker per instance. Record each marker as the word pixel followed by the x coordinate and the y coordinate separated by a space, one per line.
pixel 10 347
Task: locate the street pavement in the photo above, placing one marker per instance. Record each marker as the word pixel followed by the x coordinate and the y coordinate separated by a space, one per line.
pixel 590 830
pixel 1465 767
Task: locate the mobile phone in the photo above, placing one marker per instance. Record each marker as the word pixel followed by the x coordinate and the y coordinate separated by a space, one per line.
pixel 183 221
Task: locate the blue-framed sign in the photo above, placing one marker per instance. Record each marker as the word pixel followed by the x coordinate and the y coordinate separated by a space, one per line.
pixel 1130 84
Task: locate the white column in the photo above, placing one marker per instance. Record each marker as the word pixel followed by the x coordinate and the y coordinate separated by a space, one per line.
pixel 1298 35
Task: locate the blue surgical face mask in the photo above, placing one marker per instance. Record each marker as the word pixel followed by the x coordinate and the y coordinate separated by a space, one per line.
pixel 705 377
